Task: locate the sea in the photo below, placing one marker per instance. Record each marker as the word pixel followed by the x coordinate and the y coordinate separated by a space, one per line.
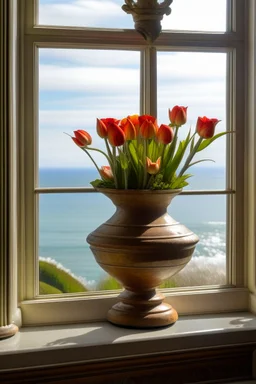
pixel 66 219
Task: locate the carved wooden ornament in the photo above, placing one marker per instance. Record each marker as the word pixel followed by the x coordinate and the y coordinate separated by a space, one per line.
pixel 147 16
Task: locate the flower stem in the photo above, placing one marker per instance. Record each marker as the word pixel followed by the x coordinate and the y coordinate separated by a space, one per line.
pixel 190 156
pixel 98 150
pixel 114 166
pixel 91 159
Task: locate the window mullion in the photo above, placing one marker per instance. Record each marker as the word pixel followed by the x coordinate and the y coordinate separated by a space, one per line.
pixel 150 81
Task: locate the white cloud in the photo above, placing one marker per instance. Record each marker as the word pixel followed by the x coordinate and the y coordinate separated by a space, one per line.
pixel 90 57
pixel 201 15
pixel 84 13
pixel 103 80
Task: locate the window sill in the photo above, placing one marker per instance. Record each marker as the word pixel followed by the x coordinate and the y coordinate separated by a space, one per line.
pixel 91 342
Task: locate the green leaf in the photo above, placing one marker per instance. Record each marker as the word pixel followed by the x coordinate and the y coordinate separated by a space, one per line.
pixel 180 182
pixel 192 144
pixel 207 142
pixel 123 160
pixel 102 184
pixel 199 161
pixel 133 153
pixel 175 162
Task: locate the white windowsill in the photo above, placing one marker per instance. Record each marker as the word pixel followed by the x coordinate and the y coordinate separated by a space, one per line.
pixel 44 346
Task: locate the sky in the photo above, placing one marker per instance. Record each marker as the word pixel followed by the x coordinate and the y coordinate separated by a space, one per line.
pixel 78 85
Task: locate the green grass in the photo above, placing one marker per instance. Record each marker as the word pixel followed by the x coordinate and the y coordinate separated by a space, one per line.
pixel 53 277
pixel 46 289
pixel 108 284
pixel 168 284
pixel 55 281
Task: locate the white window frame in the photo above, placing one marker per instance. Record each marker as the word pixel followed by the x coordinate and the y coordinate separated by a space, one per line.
pixel 240 294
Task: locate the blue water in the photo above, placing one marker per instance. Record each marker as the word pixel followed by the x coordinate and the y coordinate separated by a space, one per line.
pixel 66 219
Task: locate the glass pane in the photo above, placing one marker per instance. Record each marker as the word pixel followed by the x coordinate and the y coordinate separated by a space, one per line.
pixel 193 15
pixel 75 87
pixel 205 216
pixel 84 13
pixel 196 80
pixel 65 220
pixel 197 15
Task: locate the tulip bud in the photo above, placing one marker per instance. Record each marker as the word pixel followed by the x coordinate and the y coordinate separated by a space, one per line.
pixel 101 129
pixel 153 168
pixel 82 138
pixel 128 128
pixel 205 127
pixel 116 136
pixel 148 129
pixel 106 173
pixel 178 115
pixel 165 134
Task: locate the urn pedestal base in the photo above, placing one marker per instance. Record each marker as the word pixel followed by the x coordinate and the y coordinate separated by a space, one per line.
pixel 142 310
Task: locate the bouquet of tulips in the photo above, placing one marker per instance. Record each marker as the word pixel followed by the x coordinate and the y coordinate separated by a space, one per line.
pixel 143 155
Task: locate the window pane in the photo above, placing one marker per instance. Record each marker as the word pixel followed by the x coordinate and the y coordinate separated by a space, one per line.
pixel 66 219
pixel 76 87
pixel 196 80
pixel 197 15
pixel 84 13
pixel 205 216
pixel 194 15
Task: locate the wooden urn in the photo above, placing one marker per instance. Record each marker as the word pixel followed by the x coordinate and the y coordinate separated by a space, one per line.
pixel 141 246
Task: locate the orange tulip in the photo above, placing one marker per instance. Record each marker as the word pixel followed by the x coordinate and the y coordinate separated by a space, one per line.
pixel 153 168
pixel 106 173
pixel 135 120
pixel 178 115
pixel 101 129
pixel 116 136
pixel 205 127
pixel 165 134
pixel 128 128
pixel 82 138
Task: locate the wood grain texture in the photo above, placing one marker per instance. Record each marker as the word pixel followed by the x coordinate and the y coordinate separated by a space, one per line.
pixel 141 246
pixel 211 365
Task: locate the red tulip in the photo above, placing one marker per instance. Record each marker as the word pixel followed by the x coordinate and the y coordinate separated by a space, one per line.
pixel 116 136
pixel 205 127
pixel 178 115
pixel 82 138
pixel 165 134
pixel 109 120
pixel 143 118
pixel 128 128
pixel 153 168
pixel 101 129
pixel 106 173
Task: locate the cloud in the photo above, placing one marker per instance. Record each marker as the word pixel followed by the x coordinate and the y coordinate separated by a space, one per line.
pixel 88 57
pixel 200 15
pixel 94 80
pixel 89 13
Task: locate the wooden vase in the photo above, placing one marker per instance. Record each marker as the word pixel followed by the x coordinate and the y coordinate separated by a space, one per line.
pixel 141 246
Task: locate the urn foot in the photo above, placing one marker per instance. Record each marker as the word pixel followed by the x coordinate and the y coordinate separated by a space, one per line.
pixel 142 310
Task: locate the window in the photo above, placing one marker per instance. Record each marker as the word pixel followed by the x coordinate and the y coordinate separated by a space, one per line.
pixel 59 79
